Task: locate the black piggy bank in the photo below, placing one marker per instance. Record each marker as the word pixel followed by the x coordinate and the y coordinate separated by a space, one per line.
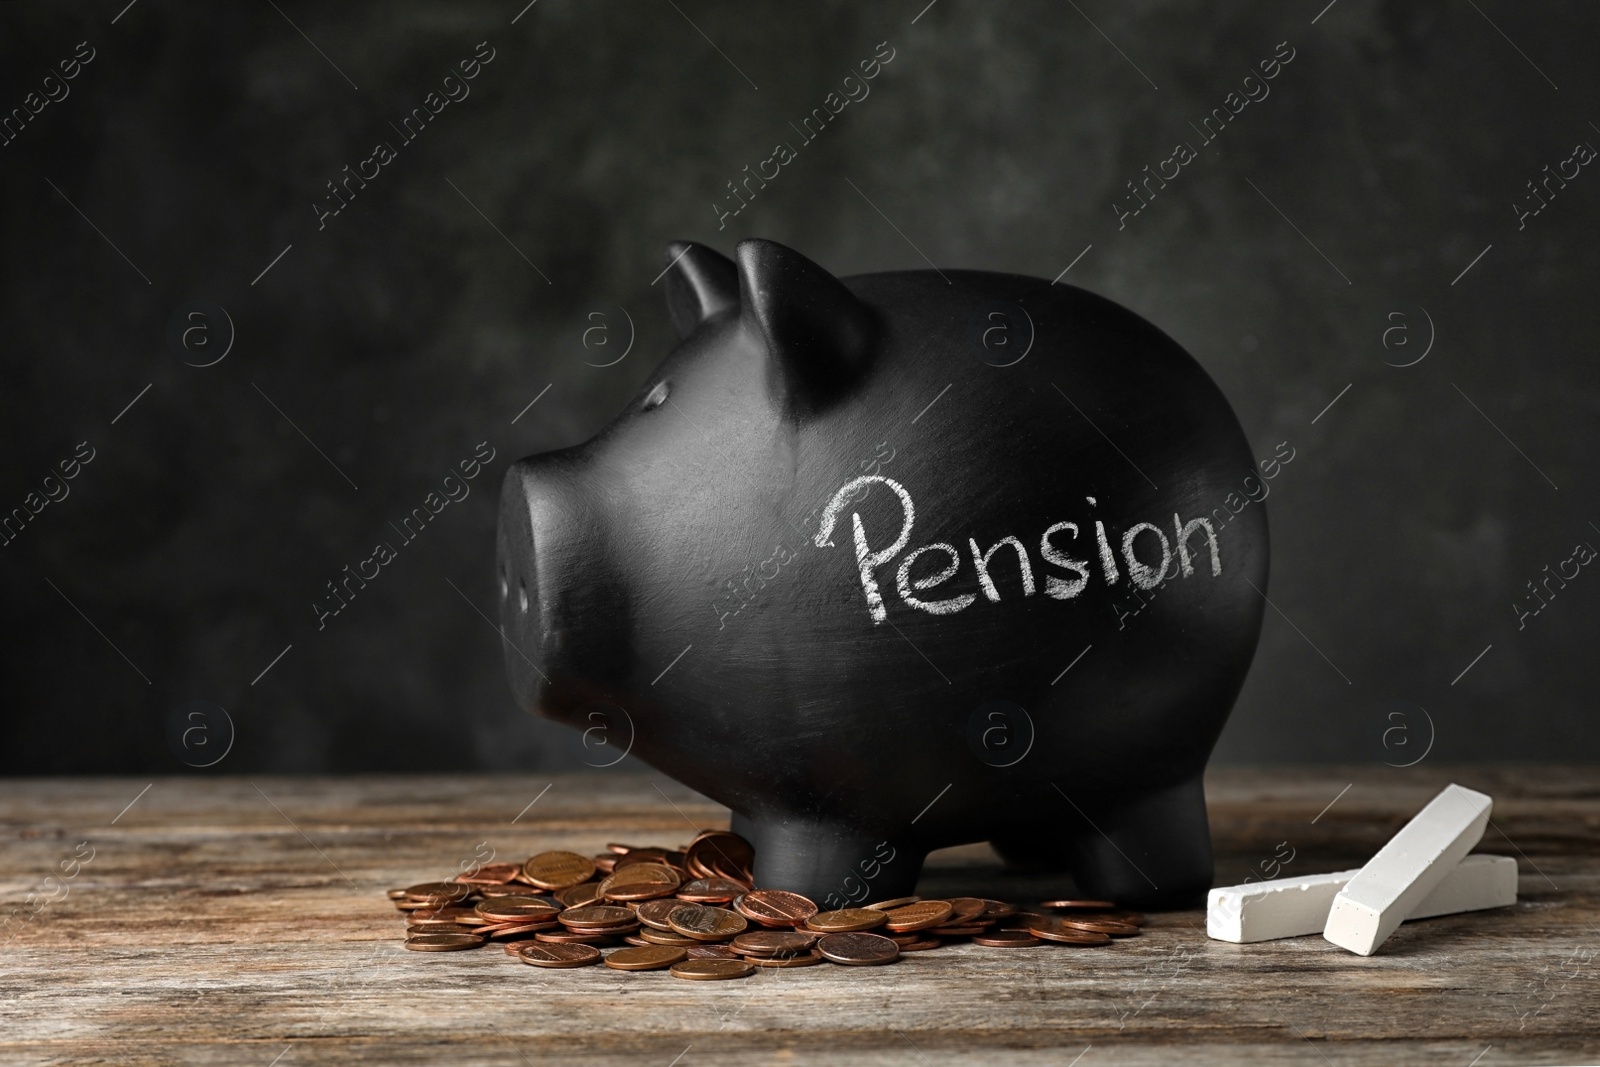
pixel 901 561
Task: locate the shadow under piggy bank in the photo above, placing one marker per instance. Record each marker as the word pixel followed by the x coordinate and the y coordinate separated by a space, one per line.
pixel 901 561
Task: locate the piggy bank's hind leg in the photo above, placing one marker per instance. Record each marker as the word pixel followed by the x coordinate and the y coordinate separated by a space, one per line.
pixel 835 866
pixel 1149 850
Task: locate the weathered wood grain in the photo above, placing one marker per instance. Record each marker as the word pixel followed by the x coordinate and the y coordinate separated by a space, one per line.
pixel 228 921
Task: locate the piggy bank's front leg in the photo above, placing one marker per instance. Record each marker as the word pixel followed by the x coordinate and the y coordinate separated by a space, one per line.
pixel 834 865
pixel 1145 851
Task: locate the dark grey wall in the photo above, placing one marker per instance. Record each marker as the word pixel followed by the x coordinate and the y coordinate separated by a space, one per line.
pixel 381 349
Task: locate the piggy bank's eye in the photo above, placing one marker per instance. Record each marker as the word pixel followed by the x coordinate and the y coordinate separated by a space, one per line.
pixel 657 397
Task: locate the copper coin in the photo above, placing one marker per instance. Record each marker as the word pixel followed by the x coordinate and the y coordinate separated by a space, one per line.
pixel 636 940
pixel 395 894
pixel 847 920
pixel 442 942
pixel 449 913
pixel 653 913
pixel 964 910
pixel 1077 905
pixel 621 850
pixel 897 902
pixel 805 959
pixel 958 931
pixel 567 937
pixel 516 900
pixel 774 942
pixel 903 939
pixel 922 945
pixel 593 917
pixel 711 890
pixel 1100 926
pixel 994 910
pixel 1051 930
pixel 437 926
pixel 577 896
pixel 720 853
pixel 711 952
pixel 439 917
pixel 1006 939
pixel 858 950
pixel 1132 918
pixel 712 970
pixel 1021 920
pixel 445 928
pixel 705 923
pixel 518 910
pixel 514 930
pixel 510 889
pixel 488 874
pixel 919 916
pixel 410 904
pixel 520 914
pixel 606 862
pixel 439 893
pixel 682 873
pixel 640 881
pixel 644 854
pixel 667 937
pixel 541 954
pixel 650 958
pixel 775 907
pixel 557 870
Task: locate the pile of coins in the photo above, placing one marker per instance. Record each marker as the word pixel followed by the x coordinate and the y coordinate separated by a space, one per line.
pixel 696 912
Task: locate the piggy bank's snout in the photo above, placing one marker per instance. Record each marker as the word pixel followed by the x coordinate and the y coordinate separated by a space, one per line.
pixel 523 610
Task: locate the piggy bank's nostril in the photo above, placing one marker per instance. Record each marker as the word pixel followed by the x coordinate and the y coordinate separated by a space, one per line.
pixel 522 597
pixel 656 398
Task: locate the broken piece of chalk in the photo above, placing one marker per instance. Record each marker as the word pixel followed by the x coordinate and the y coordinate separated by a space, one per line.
pixel 1385 892
pixel 1294 907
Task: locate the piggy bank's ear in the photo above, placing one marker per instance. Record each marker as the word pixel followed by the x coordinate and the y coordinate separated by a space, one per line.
pixel 819 336
pixel 700 283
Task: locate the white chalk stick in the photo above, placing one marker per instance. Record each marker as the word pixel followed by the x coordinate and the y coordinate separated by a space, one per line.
pixel 1295 907
pixel 1385 892
pixel 1266 911
pixel 1478 882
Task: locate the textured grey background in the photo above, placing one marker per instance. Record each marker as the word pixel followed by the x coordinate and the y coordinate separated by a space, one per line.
pixel 409 330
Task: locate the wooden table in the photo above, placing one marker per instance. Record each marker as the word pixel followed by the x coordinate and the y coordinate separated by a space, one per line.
pixel 224 920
